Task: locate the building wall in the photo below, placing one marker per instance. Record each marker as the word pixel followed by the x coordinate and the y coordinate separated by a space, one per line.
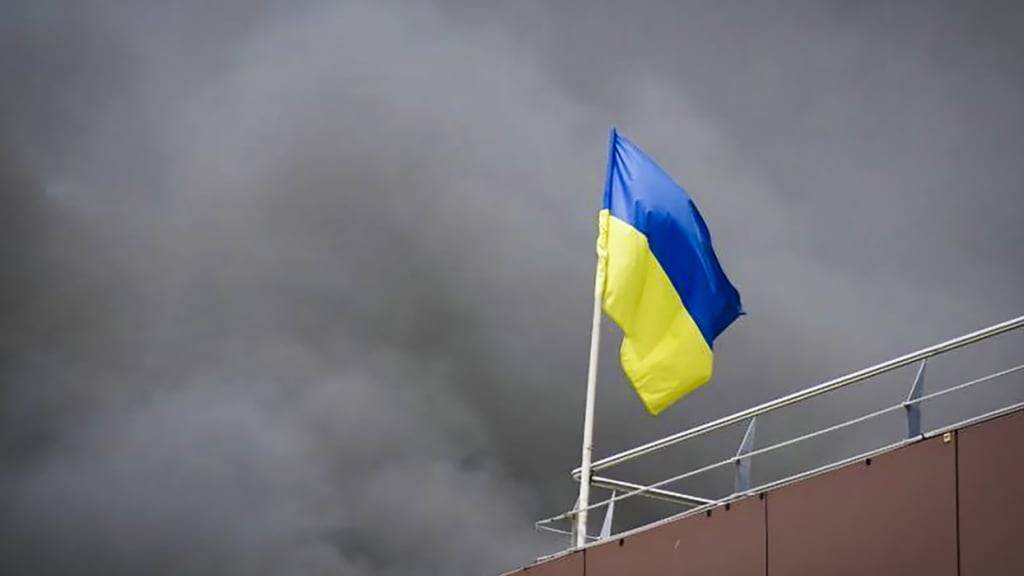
pixel 945 506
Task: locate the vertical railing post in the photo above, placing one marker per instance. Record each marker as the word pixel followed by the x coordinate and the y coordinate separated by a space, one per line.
pixel 742 481
pixel 913 407
pixel 574 528
pixel 606 527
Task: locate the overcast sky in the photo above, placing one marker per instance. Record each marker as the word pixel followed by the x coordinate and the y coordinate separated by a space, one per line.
pixel 304 288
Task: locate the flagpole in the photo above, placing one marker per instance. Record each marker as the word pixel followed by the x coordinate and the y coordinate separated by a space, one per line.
pixel 588 414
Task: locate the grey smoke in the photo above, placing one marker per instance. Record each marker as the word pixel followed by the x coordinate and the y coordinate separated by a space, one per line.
pixel 306 289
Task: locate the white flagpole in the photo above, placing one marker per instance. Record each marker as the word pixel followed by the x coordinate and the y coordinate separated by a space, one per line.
pixel 588 414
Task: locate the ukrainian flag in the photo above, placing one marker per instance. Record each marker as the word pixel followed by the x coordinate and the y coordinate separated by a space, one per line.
pixel 659 279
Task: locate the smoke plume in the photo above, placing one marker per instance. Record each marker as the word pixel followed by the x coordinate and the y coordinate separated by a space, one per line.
pixel 305 289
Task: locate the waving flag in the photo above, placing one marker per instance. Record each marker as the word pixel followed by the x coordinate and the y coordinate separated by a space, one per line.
pixel 660 279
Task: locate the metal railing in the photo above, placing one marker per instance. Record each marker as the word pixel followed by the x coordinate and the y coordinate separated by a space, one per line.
pixel 622 490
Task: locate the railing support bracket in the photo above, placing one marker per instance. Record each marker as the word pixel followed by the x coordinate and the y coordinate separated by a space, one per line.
pixel 742 483
pixel 912 404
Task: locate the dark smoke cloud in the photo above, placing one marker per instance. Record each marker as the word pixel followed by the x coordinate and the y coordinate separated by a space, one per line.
pixel 305 289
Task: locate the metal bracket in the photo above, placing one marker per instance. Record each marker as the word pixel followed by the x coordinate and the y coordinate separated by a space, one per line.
pixel 742 483
pixel 655 493
pixel 606 527
pixel 912 407
pixel 572 518
pixel 742 480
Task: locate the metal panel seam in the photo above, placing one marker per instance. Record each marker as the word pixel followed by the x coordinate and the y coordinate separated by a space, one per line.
pixel 764 495
pixel 956 493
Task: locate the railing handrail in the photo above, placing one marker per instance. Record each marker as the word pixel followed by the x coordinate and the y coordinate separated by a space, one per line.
pixel 648 490
pixel 807 393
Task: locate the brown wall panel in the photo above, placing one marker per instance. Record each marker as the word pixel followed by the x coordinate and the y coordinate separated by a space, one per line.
pixel 728 542
pixel 991 485
pixel 570 565
pixel 895 516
